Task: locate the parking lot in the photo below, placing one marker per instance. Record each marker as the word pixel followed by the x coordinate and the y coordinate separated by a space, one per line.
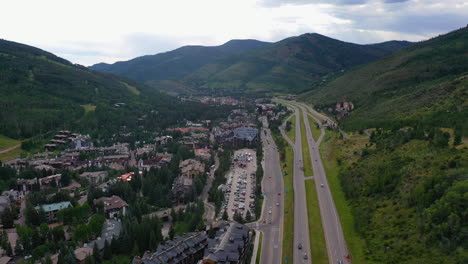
pixel 240 185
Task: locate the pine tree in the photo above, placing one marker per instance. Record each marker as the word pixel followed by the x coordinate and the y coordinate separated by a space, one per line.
pixel 248 216
pixel 225 216
pixel 171 233
pixel 107 251
pixel 96 253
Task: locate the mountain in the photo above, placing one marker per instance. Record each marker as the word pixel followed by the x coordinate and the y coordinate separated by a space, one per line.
pixel 41 93
pixel 177 63
pixel 425 83
pixel 291 65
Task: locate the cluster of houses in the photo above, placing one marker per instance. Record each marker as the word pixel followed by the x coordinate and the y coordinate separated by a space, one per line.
pixel 232 243
pixel 239 130
pixel 65 137
pixel 116 157
pixel 342 109
pixel 182 187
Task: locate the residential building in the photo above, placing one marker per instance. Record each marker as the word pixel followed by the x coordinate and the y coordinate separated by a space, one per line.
pixel 82 253
pixel 187 249
pixel 94 177
pixel 52 209
pixel 190 168
pixel 114 206
pixel 231 245
pixel 4 203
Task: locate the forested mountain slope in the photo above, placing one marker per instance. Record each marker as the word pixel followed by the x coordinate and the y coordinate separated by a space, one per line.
pixel 291 65
pixel 40 92
pixel 176 63
pixel 426 83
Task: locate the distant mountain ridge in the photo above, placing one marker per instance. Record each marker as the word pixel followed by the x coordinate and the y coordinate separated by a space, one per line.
pixel 176 63
pixel 426 83
pixel 250 66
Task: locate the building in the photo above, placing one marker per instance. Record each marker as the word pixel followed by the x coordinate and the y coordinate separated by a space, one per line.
pixel 94 177
pixel 82 253
pixel 26 185
pixel 231 245
pixel 114 206
pixel 187 249
pixel 51 210
pixel 4 203
pixel 50 181
pixel 190 168
pixel 204 154
pixel 111 229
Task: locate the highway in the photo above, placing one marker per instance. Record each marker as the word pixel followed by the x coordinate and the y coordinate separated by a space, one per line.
pixel 272 183
pixel 301 225
pixel 336 245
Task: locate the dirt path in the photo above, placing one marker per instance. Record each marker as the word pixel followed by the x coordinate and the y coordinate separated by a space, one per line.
pixel 9 149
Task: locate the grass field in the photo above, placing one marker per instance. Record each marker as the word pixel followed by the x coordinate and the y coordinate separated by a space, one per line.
pixel 313 127
pixel 292 132
pixel 6 142
pixel 11 154
pixel 259 251
pixel 305 149
pixel 288 223
pixel 354 242
pixel 318 247
pixel 88 108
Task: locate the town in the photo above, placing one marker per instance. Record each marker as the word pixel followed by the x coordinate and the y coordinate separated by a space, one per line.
pixel 182 196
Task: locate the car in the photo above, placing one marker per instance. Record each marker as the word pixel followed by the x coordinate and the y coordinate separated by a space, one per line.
pixel 269 211
pixel 299 246
pixel 305 256
pixel 279 193
pixel 277 204
pixel 321 185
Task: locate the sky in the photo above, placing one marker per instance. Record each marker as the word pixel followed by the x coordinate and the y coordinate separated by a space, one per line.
pixel 92 31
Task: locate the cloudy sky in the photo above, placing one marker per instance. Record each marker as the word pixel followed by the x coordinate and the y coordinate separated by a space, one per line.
pixel 88 32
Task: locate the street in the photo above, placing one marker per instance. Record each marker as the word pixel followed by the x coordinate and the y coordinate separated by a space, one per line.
pixel 271 224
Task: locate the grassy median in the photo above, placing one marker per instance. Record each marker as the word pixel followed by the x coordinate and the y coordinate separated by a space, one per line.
pixel 316 132
pixel 305 149
pixel 354 242
pixel 259 250
pixel 318 247
pixel 291 133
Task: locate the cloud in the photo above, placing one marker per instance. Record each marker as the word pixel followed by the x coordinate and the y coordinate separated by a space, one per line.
pixel 276 3
pixel 89 32
pixel 394 1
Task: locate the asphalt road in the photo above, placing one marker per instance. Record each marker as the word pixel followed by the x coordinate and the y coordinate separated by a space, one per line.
pixel 209 214
pixel 336 245
pixel 301 225
pixel 271 224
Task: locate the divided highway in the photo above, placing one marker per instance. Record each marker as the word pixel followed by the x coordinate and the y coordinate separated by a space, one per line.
pixel 271 220
pixel 301 226
pixel 336 244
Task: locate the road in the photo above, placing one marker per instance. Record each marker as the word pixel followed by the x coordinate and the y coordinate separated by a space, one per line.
pixel 301 224
pixel 272 183
pixel 336 245
pixel 209 214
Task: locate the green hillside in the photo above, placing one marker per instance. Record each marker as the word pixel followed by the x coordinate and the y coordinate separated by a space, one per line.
pixel 176 63
pixel 291 65
pixel 424 84
pixel 41 93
